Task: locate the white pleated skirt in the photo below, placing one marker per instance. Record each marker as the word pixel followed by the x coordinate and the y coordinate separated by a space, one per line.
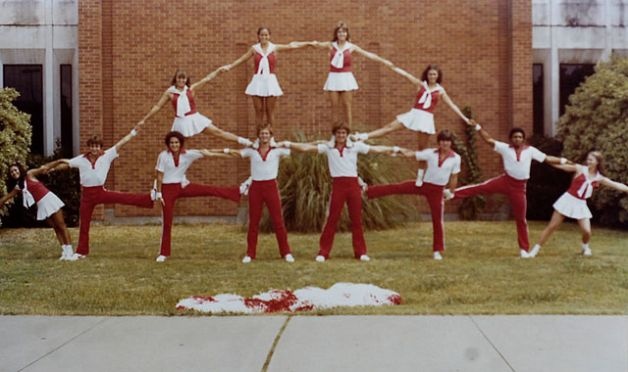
pixel 572 207
pixel 340 82
pixel 48 205
pixel 264 86
pixel 191 125
pixel 418 121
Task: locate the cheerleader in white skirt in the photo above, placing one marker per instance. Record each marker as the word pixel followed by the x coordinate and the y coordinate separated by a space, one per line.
pixel 420 118
pixel 573 203
pixel 340 82
pixel 187 120
pixel 48 204
pixel 264 87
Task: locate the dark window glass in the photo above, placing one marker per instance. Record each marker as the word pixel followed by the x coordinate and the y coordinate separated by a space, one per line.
pixel 66 111
pixel 537 98
pixel 27 79
pixel 571 75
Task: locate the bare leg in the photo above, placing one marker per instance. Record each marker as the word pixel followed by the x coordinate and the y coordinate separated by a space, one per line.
pixel 270 110
pixel 213 130
pixel 59 225
pixel 334 98
pixel 585 227
pixel 347 98
pixel 555 221
pixel 58 232
pixel 258 105
pixel 390 127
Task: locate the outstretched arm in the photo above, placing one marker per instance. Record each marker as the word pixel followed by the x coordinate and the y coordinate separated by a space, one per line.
pixel 484 134
pixel 552 160
pixel 570 168
pixel 389 150
pixel 38 171
pixel 293 45
pixel 374 57
pixel 239 61
pixel 320 44
pixel 59 164
pixel 453 106
pixel 302 147
pixel 614 184
pixel 414 80
pixel 209 77
pixel 124 140
pixel 10 195
pixel 226 153
pixel 162 101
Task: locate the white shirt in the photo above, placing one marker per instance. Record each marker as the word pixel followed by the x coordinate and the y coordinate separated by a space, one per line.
pixel 438 173
pixel 94 174
pixel 264 169
pixel 518 165
pixel 176 173
pixel 345 163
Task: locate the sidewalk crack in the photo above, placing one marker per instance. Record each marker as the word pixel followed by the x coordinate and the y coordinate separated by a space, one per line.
pixel 491 343
pixel 274 345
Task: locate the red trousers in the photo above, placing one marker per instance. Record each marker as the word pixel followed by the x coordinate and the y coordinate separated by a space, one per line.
pixel 260 193
pixel 344 189
pixel 173 191
pixel 515 190
pixel 433 194
pixel 92 196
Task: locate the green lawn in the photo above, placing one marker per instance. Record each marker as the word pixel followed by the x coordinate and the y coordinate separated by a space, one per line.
pixel 481 272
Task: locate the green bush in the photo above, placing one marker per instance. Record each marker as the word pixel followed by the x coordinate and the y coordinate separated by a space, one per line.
pixel 596 118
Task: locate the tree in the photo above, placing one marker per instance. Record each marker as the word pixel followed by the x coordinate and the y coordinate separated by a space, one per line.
pixel 596 118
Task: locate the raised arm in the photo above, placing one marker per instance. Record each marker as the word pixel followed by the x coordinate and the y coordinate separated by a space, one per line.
pixel 484 134
pixel 453 106
pixel 162 101
pixel 10 195
pixel 124 140
pixel 239 61
pixel 414 80
pixel 39 171
pixel 210 76
pixel 374 57
pixel 302 147
pixel 614 184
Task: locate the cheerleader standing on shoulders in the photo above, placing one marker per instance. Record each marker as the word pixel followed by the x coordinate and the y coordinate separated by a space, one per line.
pixel 172 184
pixel 187 120
pixel 264 87
pixel 264 190
pixel 48 204
pixel 573 203
pixel 420 118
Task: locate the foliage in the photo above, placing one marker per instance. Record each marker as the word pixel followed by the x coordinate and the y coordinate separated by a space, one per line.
pixel 596 118
pixel 305 187
pixel 15 136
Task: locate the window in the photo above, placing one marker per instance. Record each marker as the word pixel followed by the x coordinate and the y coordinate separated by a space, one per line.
pixel 27 79
pixel 537 98
pixel 66 110
pixel 571 75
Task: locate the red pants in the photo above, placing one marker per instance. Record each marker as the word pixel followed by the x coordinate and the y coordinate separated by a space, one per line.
pixel 344 189
pixel 260 193
pixel 515 190
pixel 92 196
pixel 173 191
pixel 433 194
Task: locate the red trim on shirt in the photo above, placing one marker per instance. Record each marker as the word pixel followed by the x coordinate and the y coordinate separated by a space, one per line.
pixel 264 156
pixel 518 153
pixel 175 157
pixel 93 163
pixel 450 154
pixel 341 150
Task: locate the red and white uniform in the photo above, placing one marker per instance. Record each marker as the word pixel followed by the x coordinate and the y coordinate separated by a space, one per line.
pixel 573 203
pixel 264 190
pixel 187 120
pixel 35 192
pixel 343 167
pixel 93 177
pixel 264 83
pixel 512 184
pixel 421 117
pixel 176 185
pixel 435 179
pixel 340 78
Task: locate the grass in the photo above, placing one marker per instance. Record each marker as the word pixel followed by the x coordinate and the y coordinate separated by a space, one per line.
pixel 480 274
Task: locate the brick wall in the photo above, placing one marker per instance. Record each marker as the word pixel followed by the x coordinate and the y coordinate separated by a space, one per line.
pixel 129 51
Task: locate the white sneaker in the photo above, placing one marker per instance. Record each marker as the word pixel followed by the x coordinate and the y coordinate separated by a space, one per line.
pixel 161 258
pixel 320 258
pixel 246 260
pixel 534 251
pixel 587 252
pixel 365 258
pixel 524 254
pixel 437 256
pixel 67 253
pixel 288 258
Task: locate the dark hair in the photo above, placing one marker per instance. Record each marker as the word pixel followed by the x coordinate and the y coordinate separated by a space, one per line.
pixel 445 135
pixel 340 26
pixel 264 126
pixel 180 73
pixel 262 28
pixel 20 181
pixel 340 126
pixel 178 135
pixel 516 130
pixel 600 161
pixel 94 140
pixel 432 67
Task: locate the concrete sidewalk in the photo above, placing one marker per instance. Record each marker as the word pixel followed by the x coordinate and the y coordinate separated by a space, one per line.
pixel 310 343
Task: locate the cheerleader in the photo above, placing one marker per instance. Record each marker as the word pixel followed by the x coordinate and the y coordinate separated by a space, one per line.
pixel 443 166
pixel 48 204
pixel 187 120
pixel 342 159
pixel 264 190
pixel 264 87
pixel 93 168
pixel 420 118
pixel 172 183
pixel 573 203
pixel 340 82
pixel 517 158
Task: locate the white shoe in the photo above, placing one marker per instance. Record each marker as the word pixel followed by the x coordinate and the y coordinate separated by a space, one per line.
pixel 246 260
pixel 320 258
pixel 437 256
pixel 365 258
pixel 288 258
pixel 161 258
pixel 534 251
pixel 587 252
pixel 67 253
pixel 524 254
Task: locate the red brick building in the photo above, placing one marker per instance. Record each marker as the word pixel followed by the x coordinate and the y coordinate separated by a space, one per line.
pixel 129 50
